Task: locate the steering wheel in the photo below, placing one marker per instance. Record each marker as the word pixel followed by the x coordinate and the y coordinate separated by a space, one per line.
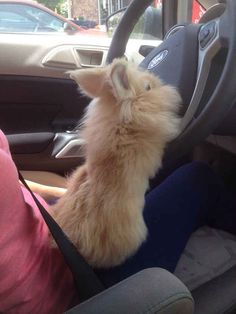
pixel 199 60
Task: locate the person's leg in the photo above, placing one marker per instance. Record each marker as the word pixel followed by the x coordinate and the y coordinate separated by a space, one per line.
pixel 172 212
pixel 49 193
pixel 45 178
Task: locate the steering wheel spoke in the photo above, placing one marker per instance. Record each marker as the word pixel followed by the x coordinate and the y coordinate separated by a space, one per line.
pixel 209 44
pixel 225 26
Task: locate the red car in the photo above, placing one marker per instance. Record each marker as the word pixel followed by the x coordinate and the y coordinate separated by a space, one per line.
pixel 18 16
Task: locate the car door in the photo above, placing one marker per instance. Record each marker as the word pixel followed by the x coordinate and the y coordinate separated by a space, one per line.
pixel 39 105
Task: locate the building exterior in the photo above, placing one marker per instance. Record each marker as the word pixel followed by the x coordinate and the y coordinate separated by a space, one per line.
pixel 86 9
pixel 96 10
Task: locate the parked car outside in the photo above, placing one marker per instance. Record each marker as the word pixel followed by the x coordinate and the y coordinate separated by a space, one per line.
pixel 22 16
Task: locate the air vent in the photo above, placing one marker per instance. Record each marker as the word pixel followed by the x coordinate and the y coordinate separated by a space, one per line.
pixel 90 58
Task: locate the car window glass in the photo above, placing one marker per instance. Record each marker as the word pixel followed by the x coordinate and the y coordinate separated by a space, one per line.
pixel 149 26
pixel 25 18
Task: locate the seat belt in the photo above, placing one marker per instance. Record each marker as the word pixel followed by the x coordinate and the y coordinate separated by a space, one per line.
pixel 86 281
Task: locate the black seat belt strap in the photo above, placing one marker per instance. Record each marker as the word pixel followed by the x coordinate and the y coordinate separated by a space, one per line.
pixel 86 281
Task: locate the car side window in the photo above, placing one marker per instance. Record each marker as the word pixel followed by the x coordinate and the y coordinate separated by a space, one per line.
pixel 149 26
pixel 25 18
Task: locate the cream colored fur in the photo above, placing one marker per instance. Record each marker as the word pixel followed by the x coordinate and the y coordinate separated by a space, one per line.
pixel 126 127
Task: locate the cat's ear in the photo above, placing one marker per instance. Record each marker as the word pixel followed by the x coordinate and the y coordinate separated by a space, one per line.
pixel 90 81
pixel 119 79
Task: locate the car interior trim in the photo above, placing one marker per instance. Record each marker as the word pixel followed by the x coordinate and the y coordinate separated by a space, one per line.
pixel 72 149
pixel 204 62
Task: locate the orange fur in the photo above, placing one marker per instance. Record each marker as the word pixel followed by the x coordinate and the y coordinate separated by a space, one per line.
pixel 126 128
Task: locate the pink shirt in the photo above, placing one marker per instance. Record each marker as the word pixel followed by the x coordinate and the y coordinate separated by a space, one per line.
pixel 33 277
